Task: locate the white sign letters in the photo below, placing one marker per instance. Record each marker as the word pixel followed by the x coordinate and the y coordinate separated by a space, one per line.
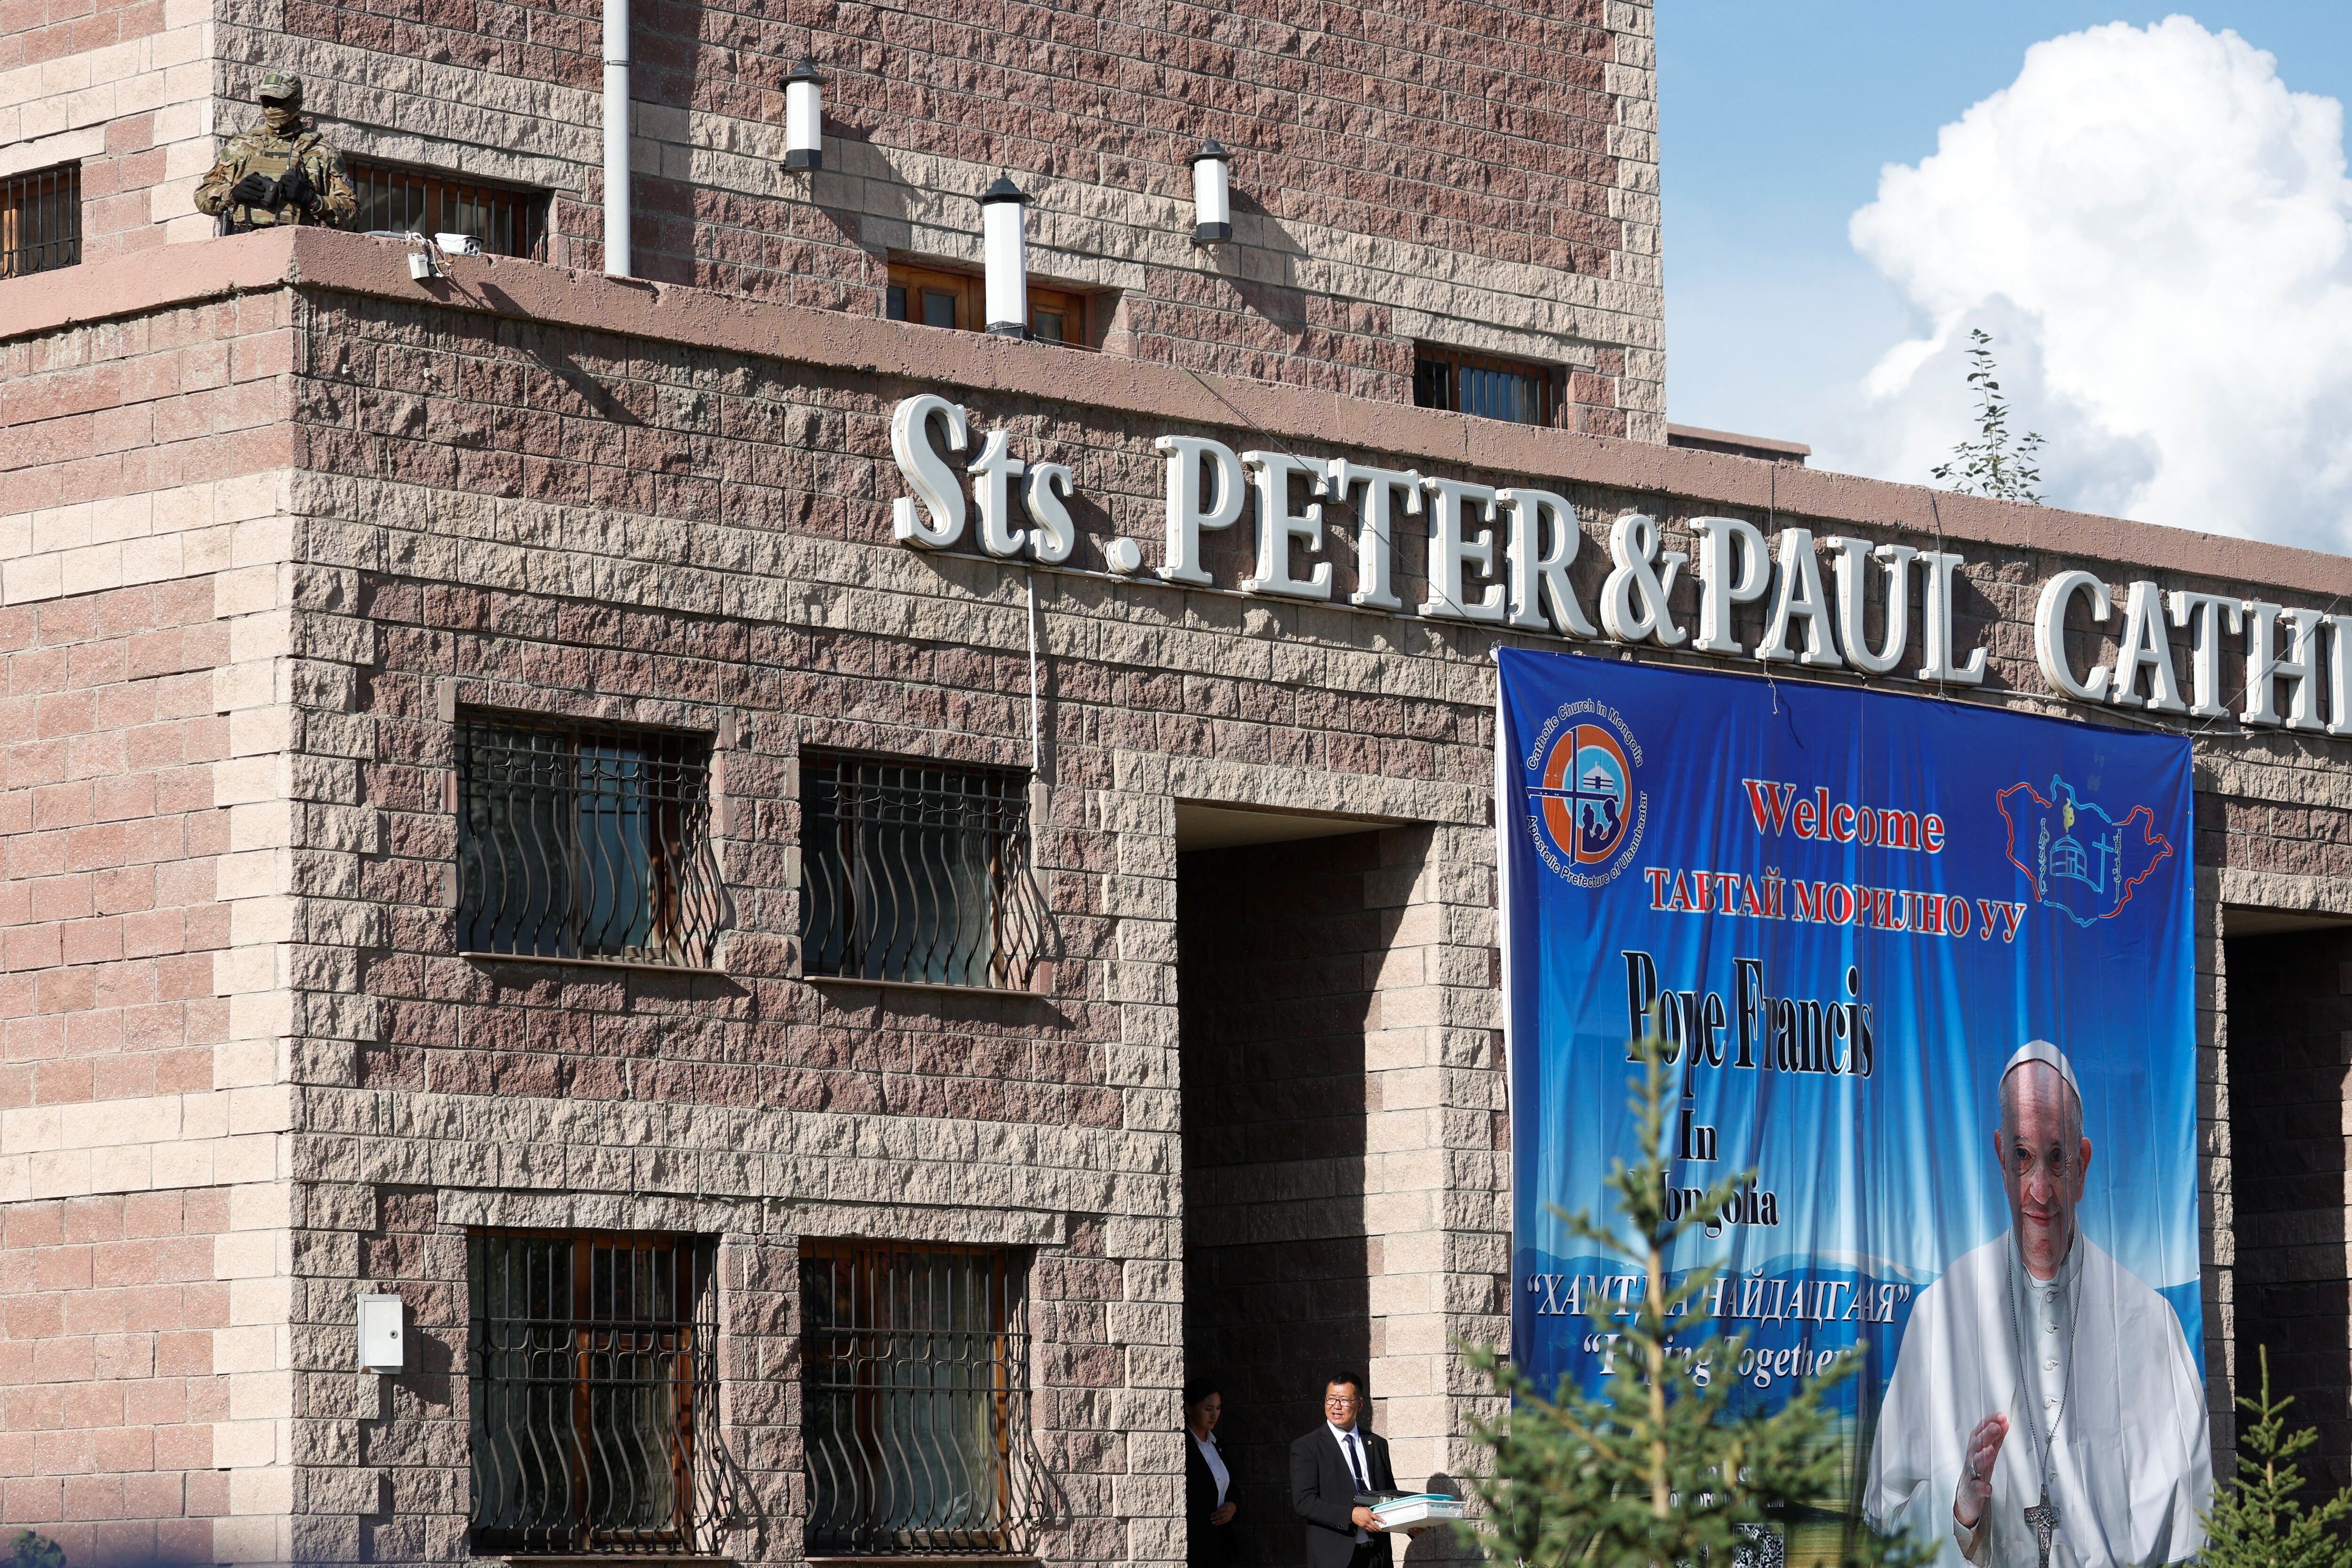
pixel 1501 557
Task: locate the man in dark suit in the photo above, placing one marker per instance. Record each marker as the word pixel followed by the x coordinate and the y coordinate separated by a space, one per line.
pixel 1327 1468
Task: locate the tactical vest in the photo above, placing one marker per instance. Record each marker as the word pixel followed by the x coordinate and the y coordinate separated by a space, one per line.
pixel 273 165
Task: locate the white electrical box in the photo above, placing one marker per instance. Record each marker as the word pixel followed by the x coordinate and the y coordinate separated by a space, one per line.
pixel 382 1334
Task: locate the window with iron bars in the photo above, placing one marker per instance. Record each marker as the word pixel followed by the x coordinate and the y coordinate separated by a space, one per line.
pixel 1484 385
pixel 40 220
pixel 585 841
pixel 593 1386
pixel 916 1410
pixel 916 873
pixel 507 220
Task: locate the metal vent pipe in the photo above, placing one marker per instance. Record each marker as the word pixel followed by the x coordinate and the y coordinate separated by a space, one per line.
pixel 618 263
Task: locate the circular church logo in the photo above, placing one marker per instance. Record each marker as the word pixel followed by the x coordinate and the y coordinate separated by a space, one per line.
pixel 1585 813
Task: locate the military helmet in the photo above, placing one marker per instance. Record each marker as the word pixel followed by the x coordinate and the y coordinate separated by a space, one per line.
pixel 281 84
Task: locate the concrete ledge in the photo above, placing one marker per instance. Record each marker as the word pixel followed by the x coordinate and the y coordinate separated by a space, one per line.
pixel 176 275
pixel 154 279
pixel 1768 448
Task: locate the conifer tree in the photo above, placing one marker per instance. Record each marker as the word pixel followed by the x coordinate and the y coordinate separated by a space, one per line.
pixel 1658 1470
pixel 2257 1522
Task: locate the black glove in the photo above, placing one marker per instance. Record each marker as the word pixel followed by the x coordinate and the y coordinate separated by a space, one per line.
pixel 256 191
pixel 295 186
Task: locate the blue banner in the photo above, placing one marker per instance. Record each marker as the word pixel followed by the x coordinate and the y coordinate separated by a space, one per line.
pixel 1927 971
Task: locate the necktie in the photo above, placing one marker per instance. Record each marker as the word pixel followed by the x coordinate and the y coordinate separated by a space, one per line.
pixel 1356 1465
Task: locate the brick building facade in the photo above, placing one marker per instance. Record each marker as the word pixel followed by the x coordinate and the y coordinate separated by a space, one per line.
pixel 290 541
pixel 280 520
pixel 1481 178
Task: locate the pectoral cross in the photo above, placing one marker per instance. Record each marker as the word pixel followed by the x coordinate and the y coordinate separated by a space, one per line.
pixel 2043 1517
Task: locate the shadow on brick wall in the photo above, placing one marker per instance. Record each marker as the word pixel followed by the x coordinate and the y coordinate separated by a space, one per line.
pixel 1277 951
pixel 2288 1022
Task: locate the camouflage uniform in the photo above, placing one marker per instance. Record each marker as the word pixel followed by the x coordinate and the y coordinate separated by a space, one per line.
pixel 274 151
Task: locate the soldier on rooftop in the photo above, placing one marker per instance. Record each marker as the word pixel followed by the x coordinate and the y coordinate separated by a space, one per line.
pixel 278 172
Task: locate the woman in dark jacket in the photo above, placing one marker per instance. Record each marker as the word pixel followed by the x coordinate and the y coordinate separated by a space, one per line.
pixel 1208 1484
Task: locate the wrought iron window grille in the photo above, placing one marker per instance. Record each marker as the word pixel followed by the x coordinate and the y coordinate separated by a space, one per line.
pixel 1485 385
pixel 40 220
pixel 914 1414
pixel 918 872
pixel 508 220
pixel 585 841
pixel 594 1391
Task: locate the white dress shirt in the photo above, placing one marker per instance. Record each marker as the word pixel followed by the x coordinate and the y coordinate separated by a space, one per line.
pixel 1359 1467
pixel 1216 1463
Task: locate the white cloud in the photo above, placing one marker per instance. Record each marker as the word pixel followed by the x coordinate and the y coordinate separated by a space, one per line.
pixel 2159 235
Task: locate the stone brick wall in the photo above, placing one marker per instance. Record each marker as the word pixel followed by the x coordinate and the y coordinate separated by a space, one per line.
pixel 427 446
pixel 132 443
pixel 1505 164
pixel 385 1468
pixel 145 831
pixel 112 916
pixel 122 87
pixel 863 1111
pixel 1504 159
pixel 116 1344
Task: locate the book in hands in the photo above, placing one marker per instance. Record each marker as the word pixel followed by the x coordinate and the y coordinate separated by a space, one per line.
pixel 1409 1508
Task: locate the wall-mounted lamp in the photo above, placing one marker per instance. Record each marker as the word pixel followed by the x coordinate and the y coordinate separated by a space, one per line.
pixel 1004 250
pixel 382 1346
pixel 803 118
pixel 1212 197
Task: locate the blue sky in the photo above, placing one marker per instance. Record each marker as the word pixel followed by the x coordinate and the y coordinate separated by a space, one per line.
pixel 1777 117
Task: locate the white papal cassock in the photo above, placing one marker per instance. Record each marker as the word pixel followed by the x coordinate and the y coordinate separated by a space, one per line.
pixel 2131 1466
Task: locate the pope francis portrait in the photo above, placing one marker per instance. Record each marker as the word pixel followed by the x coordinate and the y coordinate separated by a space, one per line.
pixel 2044 1410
